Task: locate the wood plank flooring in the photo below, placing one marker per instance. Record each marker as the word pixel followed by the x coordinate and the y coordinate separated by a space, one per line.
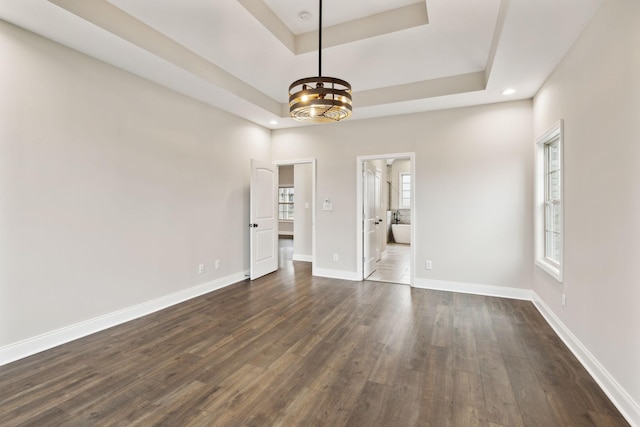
pixel 394 266
pixel 295 350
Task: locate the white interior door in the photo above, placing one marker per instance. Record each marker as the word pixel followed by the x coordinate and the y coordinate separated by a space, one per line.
pixel 379 214
pixel 263 218
pixel 369 219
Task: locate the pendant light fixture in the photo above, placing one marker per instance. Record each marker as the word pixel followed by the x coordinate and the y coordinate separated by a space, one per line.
pixel 320 99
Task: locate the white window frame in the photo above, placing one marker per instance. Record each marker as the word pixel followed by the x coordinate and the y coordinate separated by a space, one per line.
pixel 556 133
pixel 292 202
pixel 401 198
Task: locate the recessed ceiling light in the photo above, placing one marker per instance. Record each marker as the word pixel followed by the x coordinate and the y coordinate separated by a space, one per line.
pixel 509 91
pixel 273 122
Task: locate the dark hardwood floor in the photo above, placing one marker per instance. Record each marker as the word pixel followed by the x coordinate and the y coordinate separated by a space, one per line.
pixel 295 350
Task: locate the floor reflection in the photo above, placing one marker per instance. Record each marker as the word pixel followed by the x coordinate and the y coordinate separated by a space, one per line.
pixel 285 253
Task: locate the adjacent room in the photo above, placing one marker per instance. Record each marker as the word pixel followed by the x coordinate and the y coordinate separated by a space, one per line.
pixel 445 232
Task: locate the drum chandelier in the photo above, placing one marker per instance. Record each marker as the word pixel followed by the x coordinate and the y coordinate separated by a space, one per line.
pixel 320 99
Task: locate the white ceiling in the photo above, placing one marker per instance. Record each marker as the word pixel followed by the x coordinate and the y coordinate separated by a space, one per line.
pixel 335 11
pixel 400 56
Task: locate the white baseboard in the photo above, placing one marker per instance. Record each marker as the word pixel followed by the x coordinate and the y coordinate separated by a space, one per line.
pixel 618 395
pixel 472 288
pixel 299 257
pixel 48 340
pixel 336 274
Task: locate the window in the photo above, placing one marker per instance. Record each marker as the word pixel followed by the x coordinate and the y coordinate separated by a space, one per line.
pixel 405 191
pixel 549 202
pixel 285 203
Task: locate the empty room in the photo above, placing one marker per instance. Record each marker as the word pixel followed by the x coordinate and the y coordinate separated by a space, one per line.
pixel 455 243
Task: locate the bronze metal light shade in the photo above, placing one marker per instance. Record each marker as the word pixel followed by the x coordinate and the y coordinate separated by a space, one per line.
pixel 320 99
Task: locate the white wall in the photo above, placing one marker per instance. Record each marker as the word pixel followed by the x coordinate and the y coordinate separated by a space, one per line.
pixel 302 226
pixel 474 188
pixel 112 189
pixel 285 176
pixel 596 90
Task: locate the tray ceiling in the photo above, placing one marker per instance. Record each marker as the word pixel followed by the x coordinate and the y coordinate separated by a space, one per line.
pixel 400 56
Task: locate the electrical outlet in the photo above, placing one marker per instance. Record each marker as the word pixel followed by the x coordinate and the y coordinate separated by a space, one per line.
pixel 201 269
pixel 336 258
pixel 428 265
pixel 217 264
pixel 564 300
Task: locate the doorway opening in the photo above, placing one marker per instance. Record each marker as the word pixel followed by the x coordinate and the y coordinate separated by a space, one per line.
pixel 296 212
pixel 386 213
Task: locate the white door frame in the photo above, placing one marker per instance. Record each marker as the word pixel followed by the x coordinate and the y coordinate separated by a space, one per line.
pixel 359 161
pixel 313 163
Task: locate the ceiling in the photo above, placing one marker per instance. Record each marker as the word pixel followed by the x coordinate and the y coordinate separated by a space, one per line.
pixel 400 56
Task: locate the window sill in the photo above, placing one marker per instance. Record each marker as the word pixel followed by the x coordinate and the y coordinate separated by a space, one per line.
pixel 552 270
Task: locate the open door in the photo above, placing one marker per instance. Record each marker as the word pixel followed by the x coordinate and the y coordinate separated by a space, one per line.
pixel 263 216
pixel 380 211
pixel 369 220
